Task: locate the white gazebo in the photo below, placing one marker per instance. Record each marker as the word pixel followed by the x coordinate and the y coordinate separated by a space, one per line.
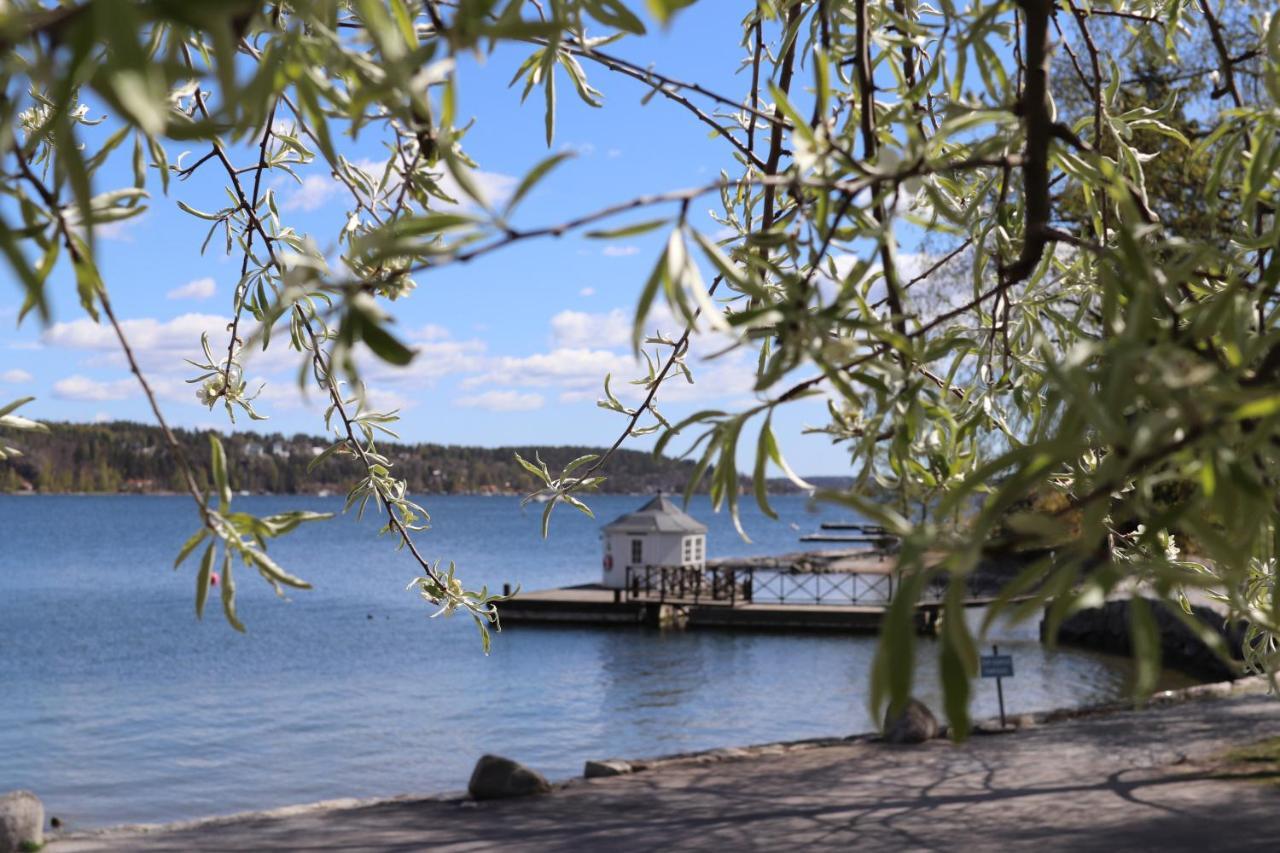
pixel 657 534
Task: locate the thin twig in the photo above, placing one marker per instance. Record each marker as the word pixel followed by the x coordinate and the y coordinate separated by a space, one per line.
pixel 870 147
pixel 633 70
pixel 677 352
pixel 661 85
pixel 1099 107
pixel 323 368
pixel 179 454
pixel 514 235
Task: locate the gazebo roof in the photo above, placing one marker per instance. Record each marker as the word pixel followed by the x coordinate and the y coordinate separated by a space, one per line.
pixel 659 515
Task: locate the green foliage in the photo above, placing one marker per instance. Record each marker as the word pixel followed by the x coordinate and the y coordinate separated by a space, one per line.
pixel 8 420
pixel 1081 324
pixel 1257 762
pixel 240 535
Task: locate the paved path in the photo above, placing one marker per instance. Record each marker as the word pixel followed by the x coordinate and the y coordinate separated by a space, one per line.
pixel 1123 781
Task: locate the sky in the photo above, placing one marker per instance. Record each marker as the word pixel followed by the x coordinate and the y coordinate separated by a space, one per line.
pixel 512 348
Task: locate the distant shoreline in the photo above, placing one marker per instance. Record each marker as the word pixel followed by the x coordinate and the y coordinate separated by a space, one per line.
pixel 122 457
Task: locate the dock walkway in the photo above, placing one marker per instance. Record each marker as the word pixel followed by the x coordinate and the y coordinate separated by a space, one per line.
pixel 592 604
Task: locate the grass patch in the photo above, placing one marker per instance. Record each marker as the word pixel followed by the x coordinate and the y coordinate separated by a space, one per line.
pixel 1256 761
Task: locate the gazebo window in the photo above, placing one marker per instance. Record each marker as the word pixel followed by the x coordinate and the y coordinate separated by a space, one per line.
pixel 697 548
pixel 688 549
pixel 637 551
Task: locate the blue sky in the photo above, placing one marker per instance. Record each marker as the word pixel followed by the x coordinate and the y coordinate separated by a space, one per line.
pixel 513 347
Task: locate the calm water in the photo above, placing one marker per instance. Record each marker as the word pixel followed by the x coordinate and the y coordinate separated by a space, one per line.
pixel 117 706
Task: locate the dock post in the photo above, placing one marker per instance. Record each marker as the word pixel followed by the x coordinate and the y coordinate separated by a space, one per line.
pixel 506 590
pixel 995 650
pixel 617 596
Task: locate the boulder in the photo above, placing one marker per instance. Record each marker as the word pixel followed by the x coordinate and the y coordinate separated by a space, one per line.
pixel 607 767
pixel 915 724
pixel 496 778
pixel 21 821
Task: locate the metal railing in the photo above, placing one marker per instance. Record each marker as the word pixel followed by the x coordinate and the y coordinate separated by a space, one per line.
pixel 748 585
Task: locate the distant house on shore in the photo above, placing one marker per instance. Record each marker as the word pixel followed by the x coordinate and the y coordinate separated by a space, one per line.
pixel 657 534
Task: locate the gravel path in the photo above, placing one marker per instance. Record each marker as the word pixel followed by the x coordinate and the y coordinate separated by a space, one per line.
pixel 1142 780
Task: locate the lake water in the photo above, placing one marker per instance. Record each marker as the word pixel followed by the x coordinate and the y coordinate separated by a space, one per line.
pixel 118 706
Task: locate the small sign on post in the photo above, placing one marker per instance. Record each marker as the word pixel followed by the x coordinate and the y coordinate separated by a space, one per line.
pixel 997 666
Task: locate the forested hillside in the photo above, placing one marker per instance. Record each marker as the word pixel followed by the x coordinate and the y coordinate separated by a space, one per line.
pixel 124 456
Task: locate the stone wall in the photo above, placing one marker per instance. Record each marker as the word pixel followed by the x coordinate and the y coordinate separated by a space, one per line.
pixel 1106 629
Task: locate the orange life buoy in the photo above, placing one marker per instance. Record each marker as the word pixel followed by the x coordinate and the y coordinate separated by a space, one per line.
pixel 608 562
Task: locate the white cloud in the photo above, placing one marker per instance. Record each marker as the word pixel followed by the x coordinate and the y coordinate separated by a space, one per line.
pixel 585 395
pixel 580 329
pixel 101 418
pixel 564 368
pixel 83 388
pixel 120 231
pixel 382 400
pixel 201 288
pixel 587 291
pixel 501 401
pixel 908 266
pixel 145 333
pixel 494 187
pixel 317 190
pixel 161 345
pixel 283 394
pixel 430 332
pixel 314 192
pixel 619 251
pixel 614 153
pixel 435 360
pixel 16 376
pixel 613 329
pixel 732 375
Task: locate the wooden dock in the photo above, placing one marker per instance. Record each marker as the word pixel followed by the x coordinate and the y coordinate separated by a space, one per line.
pixel 592 604
pixel 851 595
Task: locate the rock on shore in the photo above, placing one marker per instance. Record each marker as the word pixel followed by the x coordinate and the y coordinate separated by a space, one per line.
pixel 21 821
pixel 496 778
pixel 605 767
pixel 916 724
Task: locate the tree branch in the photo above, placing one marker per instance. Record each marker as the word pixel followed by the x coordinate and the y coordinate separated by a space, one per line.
pixel 1034 108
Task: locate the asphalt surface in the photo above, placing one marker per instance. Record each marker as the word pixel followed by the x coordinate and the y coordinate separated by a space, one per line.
pixel 1139 780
